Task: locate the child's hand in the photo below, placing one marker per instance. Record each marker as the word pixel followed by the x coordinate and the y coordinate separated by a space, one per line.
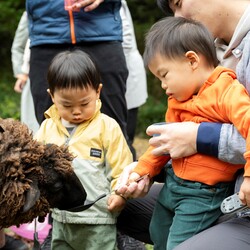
pixel 133 177
pixel 128 187
pixel 116 203
pixel 244 193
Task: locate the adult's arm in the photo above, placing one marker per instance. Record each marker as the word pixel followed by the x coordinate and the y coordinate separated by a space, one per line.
pixel 222 141
pixel 187 138
pixel 232 145
pixel 18 45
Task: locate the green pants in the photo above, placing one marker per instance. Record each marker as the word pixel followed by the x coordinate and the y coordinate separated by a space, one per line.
pixel 83 237
pixel 183 209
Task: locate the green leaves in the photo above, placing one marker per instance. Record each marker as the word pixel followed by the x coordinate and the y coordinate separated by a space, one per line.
pixel 9 99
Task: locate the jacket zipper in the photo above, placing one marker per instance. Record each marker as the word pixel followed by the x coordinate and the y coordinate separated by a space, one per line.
pixel 72 27
pixel 67 139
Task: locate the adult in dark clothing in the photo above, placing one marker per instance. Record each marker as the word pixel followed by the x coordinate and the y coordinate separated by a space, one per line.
pixel 93 26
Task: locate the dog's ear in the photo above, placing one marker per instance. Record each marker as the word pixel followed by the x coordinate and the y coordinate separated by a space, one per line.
pixel 32 195
pixel 1 129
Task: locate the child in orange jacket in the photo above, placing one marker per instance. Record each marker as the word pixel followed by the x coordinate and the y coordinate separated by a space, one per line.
pixel 181 54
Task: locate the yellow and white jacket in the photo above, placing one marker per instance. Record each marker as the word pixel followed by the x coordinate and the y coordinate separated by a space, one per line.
pixel 101 153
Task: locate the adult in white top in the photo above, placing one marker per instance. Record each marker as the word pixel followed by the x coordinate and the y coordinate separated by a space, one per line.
pixel 20 55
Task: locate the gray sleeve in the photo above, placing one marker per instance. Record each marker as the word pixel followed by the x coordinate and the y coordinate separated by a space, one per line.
pixel 18 45
pixel 232 145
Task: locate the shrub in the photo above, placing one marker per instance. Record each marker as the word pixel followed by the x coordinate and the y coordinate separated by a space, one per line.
pixel 10 100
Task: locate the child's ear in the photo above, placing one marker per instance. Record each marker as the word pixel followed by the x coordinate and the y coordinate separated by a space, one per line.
pixel 99 90
pixel 48 91
pixel 193 58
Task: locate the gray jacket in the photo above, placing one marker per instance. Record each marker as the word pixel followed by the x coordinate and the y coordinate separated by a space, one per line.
pixel 236 55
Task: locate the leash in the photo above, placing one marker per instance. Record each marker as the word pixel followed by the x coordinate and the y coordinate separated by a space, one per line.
pixel 37 245
pixel 87 204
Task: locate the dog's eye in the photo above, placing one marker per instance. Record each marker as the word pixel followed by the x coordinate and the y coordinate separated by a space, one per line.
pixel 56 187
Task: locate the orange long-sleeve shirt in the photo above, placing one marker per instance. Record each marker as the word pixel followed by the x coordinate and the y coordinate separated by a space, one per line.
pixel 221 99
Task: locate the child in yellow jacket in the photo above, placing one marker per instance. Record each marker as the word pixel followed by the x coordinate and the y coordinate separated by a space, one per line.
pixel 98 144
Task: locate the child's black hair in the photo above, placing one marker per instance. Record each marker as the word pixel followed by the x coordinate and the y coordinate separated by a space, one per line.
pixel 72 69
pixel 172 37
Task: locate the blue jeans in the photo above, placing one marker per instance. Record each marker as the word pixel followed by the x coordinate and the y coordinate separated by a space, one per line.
pixel 183 209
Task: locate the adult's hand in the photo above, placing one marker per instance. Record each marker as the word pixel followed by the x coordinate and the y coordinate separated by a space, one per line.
pixel 244 192
pixel 128 187
pixel 20 82
pixel 87 5
pixel 177 139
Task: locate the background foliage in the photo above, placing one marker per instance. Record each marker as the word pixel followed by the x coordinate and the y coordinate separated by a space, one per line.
pixel 144 14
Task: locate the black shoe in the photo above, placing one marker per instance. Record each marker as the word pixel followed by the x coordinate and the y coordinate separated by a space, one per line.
pixel 12 243
pixel 46 245
pixel 124 242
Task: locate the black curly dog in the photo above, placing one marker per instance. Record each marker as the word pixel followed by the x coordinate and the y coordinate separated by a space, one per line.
pixel 34 177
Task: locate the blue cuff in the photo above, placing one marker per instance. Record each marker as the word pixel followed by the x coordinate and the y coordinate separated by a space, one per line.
pixel 208 138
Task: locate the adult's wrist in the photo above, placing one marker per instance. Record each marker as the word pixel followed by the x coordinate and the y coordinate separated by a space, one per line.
pixel 208 138
pixel 23 77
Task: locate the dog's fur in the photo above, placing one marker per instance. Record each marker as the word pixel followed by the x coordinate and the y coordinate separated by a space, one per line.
pixel 33 177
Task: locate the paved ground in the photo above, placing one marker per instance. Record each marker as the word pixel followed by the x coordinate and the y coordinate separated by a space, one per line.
pixel 141 145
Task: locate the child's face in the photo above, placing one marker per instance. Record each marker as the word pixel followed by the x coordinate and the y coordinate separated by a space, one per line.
pixel 76 105
pixel 178 78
